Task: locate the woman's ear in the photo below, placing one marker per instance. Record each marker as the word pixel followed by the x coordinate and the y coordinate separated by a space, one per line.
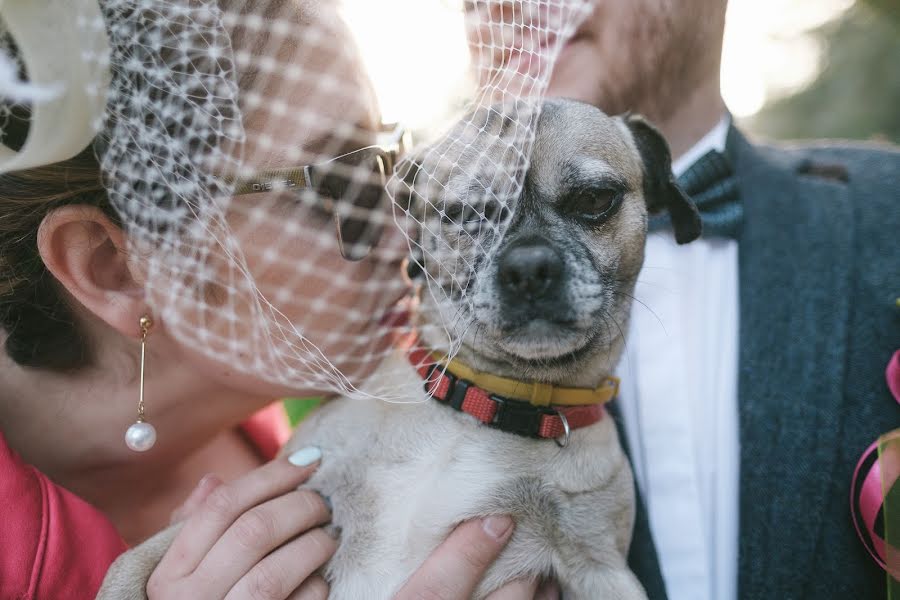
pixel 86 253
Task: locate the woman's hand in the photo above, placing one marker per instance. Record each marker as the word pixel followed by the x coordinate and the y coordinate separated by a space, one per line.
pixel 225 548
pixel 455 568
pixel 255 538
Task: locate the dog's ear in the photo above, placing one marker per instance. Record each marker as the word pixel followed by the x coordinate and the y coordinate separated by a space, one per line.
pixel 661 191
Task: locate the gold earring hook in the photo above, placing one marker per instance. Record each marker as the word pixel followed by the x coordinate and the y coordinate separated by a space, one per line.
pixel 146 325
pixel 141 436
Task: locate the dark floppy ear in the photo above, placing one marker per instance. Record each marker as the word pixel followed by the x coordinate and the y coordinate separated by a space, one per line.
pixel 661 191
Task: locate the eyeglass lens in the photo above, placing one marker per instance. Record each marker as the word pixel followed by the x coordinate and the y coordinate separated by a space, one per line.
pixel 355 184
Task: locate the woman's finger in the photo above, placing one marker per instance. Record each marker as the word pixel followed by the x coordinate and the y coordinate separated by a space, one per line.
pixel 455 568
pixel 204 488
pixel 229 501
pixel 520 589
pixel 549 590
pixel 279 574
pixel 255 534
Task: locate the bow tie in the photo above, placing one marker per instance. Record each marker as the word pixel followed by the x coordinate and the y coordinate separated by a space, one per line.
pixel 712 185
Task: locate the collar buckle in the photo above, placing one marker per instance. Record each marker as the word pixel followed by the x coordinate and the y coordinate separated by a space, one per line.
pixel 519 417
pixel 457 393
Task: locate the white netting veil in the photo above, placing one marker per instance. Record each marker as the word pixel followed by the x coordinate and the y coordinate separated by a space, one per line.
pixel 267 207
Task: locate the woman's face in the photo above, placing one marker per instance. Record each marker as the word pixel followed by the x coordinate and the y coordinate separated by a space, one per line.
pixel 277 299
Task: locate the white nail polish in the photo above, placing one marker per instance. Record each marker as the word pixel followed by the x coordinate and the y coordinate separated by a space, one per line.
pixel 305 456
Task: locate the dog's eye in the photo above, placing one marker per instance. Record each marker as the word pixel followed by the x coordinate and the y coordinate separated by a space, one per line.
pixel 460 214
pixel 494 211
pixel 467 214
pixel 594 205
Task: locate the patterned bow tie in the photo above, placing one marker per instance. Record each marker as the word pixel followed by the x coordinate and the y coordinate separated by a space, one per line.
pixel 712 185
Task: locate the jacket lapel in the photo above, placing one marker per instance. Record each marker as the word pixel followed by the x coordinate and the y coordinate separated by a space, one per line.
pixel 795 261
pixel 642 557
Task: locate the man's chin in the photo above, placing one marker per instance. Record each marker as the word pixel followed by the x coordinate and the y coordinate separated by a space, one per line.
pixel 575 72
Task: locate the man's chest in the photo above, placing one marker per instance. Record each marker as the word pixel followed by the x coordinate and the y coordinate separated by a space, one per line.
pixel 679 407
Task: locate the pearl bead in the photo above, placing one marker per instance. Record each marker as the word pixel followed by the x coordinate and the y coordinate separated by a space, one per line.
pixel 140 437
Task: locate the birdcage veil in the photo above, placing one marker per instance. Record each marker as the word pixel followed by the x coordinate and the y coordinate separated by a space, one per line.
pixel 239 143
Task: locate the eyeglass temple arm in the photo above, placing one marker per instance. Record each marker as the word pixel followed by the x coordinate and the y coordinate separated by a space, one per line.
pixel 274 179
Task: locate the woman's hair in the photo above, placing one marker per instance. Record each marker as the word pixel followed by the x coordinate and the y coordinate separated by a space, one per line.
pixel 35 313
pixel 40 324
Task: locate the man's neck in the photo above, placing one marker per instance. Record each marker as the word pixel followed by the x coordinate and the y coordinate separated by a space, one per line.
pixel 693 118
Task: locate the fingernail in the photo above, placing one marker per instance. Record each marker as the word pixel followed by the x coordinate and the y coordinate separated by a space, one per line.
pixel 201 486
pixel 206 484
pixel 497 526
pixel 205 480
pixel 305 456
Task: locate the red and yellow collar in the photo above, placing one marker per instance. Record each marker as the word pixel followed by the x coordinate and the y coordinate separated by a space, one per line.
pixel 532 409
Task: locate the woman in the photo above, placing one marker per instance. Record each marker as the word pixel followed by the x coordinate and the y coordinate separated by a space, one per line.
pixel 82 283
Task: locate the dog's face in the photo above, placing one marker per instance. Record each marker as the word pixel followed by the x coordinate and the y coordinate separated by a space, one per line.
pixel 539 285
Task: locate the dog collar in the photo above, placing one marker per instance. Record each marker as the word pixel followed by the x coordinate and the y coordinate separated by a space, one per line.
pixel 531 409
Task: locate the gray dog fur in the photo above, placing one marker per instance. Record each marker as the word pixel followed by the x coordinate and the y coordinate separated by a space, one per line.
pixel 401 476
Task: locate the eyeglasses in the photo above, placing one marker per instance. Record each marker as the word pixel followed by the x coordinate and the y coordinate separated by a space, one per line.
pixel 350 187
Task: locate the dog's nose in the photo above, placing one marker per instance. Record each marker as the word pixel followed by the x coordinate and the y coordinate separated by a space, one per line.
pixel 532 269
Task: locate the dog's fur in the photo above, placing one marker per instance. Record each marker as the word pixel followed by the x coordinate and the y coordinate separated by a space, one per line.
pixel 401 476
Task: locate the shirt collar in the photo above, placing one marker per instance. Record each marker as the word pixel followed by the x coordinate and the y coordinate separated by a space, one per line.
pixel 713 140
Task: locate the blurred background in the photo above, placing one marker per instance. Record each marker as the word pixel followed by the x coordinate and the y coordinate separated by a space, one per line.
pixel 791 69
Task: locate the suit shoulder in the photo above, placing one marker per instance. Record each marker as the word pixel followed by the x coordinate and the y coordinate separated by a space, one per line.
pixel 866 167
pixel 868 174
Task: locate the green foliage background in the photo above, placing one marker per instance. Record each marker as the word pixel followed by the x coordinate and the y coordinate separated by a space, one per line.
pixel 297 408
pixel 857 93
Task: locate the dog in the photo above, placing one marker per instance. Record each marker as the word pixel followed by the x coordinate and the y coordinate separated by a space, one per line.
pixel 541 310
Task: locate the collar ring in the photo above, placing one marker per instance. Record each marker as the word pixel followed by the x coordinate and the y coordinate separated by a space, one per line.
pixel 566 430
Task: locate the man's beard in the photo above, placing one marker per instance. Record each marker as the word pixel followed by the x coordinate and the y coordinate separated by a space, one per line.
pixel 654 74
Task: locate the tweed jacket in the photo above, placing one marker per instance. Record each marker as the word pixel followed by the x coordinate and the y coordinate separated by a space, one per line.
pixel 819 273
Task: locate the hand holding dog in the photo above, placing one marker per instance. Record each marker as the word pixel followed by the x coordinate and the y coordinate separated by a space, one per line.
pixel 260 537
pixel 455 568
pixel 256 537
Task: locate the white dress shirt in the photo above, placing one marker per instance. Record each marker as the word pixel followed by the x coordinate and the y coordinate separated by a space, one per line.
pixel 678 401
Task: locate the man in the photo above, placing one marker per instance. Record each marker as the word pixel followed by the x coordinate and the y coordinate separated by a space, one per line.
pixel 754 375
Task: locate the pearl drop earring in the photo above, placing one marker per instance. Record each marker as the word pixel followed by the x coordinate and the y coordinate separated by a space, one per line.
pixel 141 436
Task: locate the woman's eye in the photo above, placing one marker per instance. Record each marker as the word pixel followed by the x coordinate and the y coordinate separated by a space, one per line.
pixel 595 205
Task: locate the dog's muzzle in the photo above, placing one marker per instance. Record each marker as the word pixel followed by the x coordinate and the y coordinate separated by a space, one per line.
pixel 529 270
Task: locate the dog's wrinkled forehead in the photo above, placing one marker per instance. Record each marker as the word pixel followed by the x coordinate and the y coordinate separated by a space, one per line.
pixel 577 144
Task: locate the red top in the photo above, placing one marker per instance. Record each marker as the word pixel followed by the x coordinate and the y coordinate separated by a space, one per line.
pixel 54 545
